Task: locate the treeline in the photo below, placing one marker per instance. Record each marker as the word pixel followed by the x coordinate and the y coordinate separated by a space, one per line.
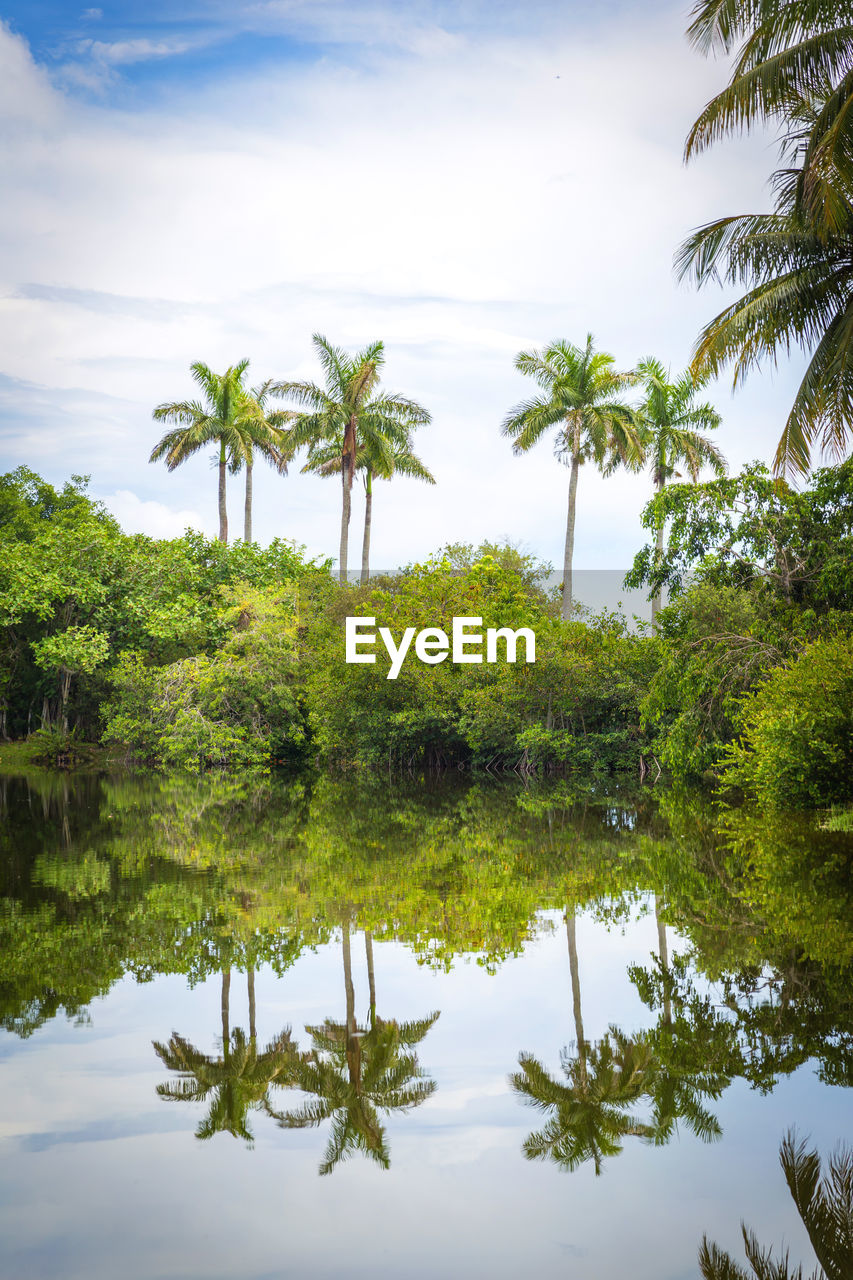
pixel 191 654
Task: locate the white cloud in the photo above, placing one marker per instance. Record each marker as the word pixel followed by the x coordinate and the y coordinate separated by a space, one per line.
pixel 461 204
pixel 153 518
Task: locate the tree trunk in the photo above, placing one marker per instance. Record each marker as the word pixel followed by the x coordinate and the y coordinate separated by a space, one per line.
pixel 368 514
pixel 345 513
pixel 348 986
pixel 656 598
pixel 247 517
pixel 663 952
pixel 224 1008
pixel 576 985
pixel 250 981
pixel 64 686
pixel 570 537
pixel 223 514
pixel 371 978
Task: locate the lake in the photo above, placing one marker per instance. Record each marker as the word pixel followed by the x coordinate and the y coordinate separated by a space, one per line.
pixel 325 1027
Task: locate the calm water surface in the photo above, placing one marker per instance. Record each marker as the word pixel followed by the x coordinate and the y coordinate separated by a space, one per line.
pixel 324 1029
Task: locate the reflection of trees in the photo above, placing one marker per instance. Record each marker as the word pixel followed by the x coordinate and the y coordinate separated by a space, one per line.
pixel 234 1084
pixel 590 1113
pixel 354 1072
pixel 826 1209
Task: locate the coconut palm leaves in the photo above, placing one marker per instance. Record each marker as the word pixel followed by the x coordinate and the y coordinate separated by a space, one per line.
pixel 353 1075
pixel 581 398
pixel 234 1085
pixel 230 419
pixel 672 423
pixel 590 1112
pixel 349 411
pixel 826 1209
pixel 794 67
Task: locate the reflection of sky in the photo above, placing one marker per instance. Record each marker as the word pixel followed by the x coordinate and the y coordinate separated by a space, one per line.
pixel 100 1178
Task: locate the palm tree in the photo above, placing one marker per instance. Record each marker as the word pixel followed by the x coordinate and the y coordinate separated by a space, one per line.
pixel 354 1072
pixel 589 1114
pixel 671 422
pixel 214 421
pixel 794 69
pixel 348 411
pixel 236 1083
pixel 261 434
pixel 826 1209
pixel 377 457
pixel 581 399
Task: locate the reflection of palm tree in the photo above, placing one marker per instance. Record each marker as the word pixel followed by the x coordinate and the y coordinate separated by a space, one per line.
pixel 590 1112
pixel 236 1083
pixel 356 1072
pixel 589 1115
pixel 355 1075
pixel 826 1209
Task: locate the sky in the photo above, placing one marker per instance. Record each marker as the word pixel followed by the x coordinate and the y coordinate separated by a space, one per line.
pixel 464 180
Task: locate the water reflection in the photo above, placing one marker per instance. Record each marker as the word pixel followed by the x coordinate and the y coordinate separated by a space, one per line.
pixel 106 878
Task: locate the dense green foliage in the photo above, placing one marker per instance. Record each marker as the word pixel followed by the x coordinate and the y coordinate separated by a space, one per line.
pixel 190 653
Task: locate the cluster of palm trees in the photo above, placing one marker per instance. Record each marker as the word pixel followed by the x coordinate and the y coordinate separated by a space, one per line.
pixel 351 1074
pixel 582 396
pixel 349 427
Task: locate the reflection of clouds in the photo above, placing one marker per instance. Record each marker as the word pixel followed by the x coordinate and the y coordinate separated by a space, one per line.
pixel 451 1147
pixel 460 1098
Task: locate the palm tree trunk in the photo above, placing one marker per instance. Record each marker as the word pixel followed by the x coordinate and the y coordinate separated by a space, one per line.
pixel 247 515
pixel 224 1009
pixel 368 514
pixel 571 935
pixel 250 981
pixel 371 977
pixel 570 538
pixel 663 952
pixel 348 986
pixel 656 598
pixel 345 514
pixel 223 513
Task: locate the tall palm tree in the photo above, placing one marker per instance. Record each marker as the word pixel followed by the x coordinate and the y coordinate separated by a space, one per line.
pixel 355 1072
pixel 581 398
pixel 826 1209
pixel 349 411
pixel 377 457
pixel 262 434
pixel 672 421
pixel 590 1113
pixel 793 69
pixel 215 420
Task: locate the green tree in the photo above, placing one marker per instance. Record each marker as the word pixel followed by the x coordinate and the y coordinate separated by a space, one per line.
pixel 349 412
pixel 825 1206
pixel 236 1083
pixel 68 653
pixel 581 398
pixel 356 1072
pixel 218 419
pixel 672 422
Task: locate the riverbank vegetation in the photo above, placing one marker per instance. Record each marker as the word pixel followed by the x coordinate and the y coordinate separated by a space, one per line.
pixel 193 653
